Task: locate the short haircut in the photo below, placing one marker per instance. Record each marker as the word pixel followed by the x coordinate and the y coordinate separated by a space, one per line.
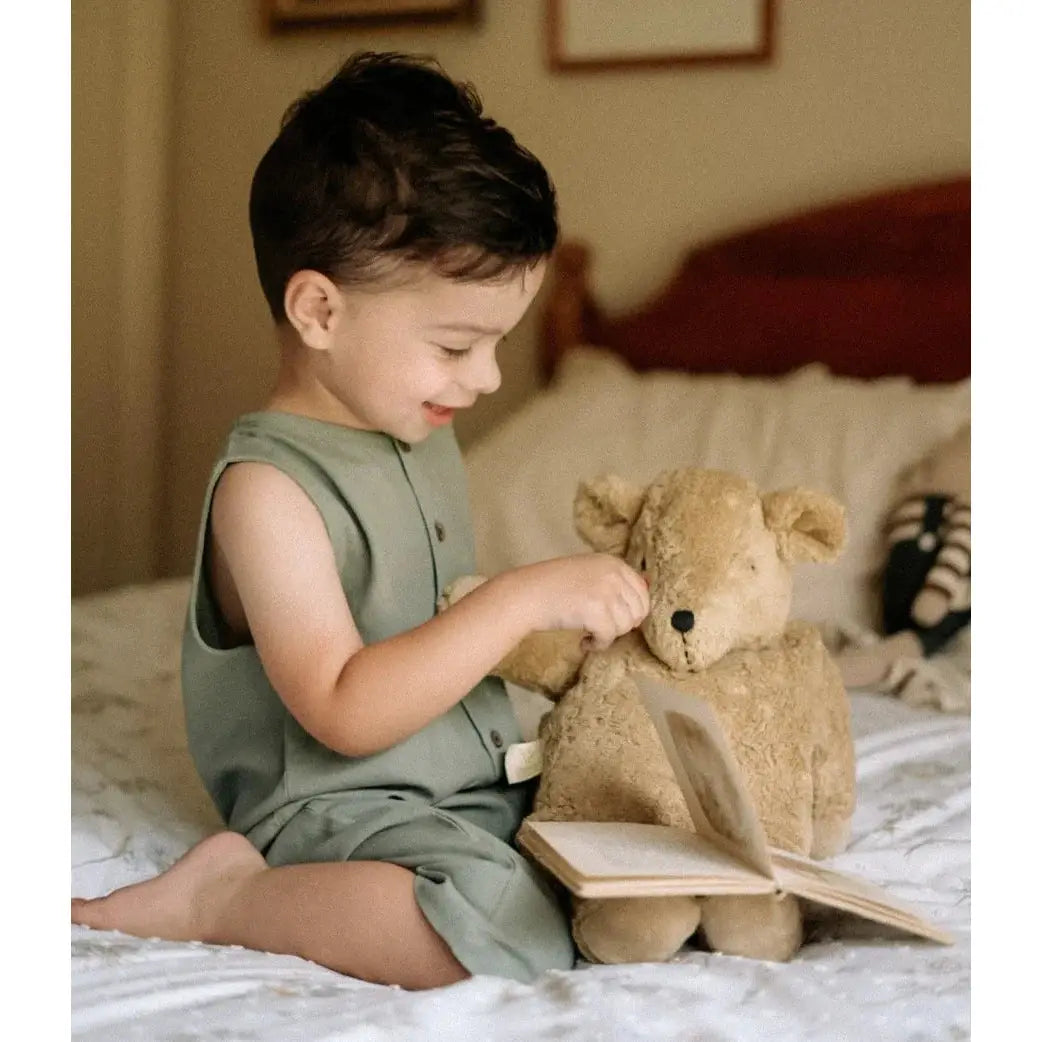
pixel 392 161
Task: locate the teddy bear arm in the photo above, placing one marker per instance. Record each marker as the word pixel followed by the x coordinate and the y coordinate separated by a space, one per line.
pixel 547 661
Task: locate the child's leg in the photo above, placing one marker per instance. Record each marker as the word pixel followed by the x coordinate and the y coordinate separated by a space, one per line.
pixel 494 911
pixel 359 918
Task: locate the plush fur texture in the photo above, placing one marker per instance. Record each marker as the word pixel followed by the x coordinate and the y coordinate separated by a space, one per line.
pixel 715 549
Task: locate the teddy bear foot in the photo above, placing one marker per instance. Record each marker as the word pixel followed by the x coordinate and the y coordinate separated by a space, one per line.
pixel 768 927
pixel 624 929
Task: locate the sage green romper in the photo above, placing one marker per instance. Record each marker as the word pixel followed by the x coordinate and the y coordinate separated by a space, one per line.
pixel 437 802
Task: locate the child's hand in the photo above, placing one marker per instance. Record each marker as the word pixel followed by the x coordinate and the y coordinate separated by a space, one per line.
pixel 597 593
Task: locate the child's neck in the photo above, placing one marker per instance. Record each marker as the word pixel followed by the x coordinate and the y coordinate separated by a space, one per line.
pixel 298 391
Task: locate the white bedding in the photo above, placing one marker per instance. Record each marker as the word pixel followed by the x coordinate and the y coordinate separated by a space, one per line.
pixel 137 806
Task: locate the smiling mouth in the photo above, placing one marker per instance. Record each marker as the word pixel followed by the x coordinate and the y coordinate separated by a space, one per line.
pixel 438 415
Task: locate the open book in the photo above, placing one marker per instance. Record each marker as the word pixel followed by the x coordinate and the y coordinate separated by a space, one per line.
pixel 728 855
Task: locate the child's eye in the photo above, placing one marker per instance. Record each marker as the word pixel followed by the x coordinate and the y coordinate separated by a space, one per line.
pixel 453 352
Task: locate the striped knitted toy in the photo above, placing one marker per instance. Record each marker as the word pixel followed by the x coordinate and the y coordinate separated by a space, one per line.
pixel 926 580
pixel 926 584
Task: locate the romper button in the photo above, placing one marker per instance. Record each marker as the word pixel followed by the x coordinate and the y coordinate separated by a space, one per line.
pixel 497 739
pixel 439 531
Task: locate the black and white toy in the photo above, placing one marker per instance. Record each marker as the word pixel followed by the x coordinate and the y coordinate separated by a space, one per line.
pixel 926 580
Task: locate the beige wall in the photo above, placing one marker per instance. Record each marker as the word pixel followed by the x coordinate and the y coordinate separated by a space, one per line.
pixel 859 96
pixel 122 95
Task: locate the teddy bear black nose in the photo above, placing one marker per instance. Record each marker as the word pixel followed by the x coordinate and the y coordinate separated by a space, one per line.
pixel 682 620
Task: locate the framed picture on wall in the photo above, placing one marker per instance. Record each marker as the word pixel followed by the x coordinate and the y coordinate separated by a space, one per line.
pixel 284 14
pixel 619 34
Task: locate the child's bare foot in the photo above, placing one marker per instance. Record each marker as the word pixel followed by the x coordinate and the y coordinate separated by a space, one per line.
pixel 180 904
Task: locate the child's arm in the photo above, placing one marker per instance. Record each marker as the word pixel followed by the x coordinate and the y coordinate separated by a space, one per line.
pixel 359 699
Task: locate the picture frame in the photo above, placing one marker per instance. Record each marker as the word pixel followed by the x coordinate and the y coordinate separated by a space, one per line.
pixel 592 35
pixel 293 14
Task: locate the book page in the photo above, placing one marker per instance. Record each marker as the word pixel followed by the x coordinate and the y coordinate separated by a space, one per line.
pixel 709 776
pixel 609 858
pixel 813 881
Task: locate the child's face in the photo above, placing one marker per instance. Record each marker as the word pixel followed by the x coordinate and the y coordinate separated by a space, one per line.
pixel 404 359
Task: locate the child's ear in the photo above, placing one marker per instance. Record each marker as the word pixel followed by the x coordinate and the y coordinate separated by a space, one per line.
pixel 604 510
pixel 313 305
pixel 808 525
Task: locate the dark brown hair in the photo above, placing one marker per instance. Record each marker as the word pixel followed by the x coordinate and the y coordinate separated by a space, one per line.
pixel 393 161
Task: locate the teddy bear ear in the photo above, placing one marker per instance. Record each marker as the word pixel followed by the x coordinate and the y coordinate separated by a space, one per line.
pixel 808 525
pixel 604 511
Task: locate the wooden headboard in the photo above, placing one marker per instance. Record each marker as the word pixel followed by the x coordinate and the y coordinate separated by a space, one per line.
pixel 874 286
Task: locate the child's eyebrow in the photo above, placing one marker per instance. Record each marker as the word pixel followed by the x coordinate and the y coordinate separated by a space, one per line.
pixel 468 327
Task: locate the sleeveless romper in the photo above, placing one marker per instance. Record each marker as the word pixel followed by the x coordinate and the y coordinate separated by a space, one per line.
pixel 436 803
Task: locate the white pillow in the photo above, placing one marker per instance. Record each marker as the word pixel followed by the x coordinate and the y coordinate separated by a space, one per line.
pixel 847 437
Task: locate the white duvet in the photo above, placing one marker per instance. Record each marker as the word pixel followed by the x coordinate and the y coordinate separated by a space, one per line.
pixel 137 806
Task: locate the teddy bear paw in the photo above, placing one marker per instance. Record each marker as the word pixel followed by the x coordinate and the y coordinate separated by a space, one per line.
pixel 458 589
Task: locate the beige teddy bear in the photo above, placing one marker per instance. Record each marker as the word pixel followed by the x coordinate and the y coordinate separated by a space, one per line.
pixel 717 556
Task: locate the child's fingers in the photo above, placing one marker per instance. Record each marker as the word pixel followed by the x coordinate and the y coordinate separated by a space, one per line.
pixel 637 585
pixel 597 642
pixel 605 624
pixel 631 606
pixel 625 614
pixel 639 603
pixel 613 621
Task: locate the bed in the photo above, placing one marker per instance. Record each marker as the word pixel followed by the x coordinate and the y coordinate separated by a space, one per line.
pixel 829 349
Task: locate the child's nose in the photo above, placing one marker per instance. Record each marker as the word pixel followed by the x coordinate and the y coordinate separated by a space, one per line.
pixel 484 376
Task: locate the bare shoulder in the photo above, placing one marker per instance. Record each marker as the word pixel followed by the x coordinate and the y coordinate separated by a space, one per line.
pixel 262 520
pixel 249 492
pixel 273 553
pixel 256 511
